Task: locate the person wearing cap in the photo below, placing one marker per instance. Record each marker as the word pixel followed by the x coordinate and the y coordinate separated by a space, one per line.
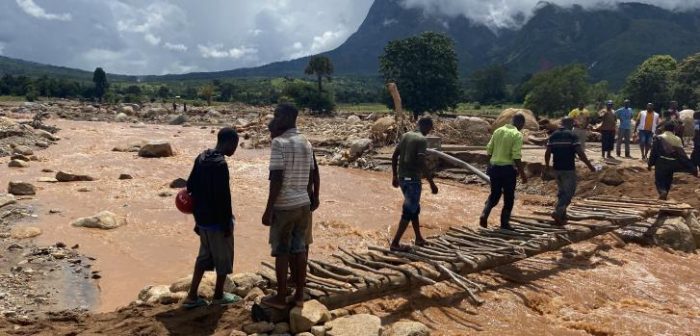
pixel 581 118
pixel 668 157
pixel 647 122
pixel 607 129
pixel 624 132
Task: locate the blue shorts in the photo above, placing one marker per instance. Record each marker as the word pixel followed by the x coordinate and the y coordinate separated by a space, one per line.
pixel 645 137
pixel 411 189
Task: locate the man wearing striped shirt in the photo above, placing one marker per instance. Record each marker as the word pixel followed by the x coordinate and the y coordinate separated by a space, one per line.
pixel 288 211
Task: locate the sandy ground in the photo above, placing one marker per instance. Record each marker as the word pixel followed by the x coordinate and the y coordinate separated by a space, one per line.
pixel 158 246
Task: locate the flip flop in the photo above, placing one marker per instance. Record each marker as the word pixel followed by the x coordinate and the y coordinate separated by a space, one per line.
pixel 266 301
pixel 227 299
pixel 196 304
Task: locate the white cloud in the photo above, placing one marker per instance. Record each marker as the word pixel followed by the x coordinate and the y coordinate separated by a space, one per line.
pixel 31 8
pixel 514 13
pixel 218 51
pixel 152 39
pixel 327 39
pixel 175 46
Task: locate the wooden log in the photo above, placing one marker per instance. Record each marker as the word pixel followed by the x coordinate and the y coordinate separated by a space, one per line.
pixel 319 270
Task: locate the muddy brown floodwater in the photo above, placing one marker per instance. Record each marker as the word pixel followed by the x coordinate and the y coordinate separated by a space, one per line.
pixel 157 246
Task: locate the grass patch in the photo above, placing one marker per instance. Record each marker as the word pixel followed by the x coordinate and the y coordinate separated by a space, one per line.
pixel 12 99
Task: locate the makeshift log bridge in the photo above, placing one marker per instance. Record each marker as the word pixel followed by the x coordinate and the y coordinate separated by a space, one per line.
pixel 355 277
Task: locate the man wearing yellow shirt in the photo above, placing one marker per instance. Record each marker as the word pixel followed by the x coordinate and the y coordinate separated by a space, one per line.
pixel 504 151
pixel 668 156
pixel 581 118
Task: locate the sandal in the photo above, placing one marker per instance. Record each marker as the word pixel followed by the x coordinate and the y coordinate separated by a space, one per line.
pixel 195 304
pixel 227 299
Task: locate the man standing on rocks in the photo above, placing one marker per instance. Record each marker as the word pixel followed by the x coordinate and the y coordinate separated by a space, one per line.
pixel 288 210
pixel 668 157
pixel 607 129
pixel 647 121
pixel 408 167
pixel 581 118
pixel 213 214
pixel 696 139
pixel 504 153
pixel 564 146
pixel 624 133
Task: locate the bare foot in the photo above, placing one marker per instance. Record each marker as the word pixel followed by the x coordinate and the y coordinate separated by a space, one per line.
pixel 274 302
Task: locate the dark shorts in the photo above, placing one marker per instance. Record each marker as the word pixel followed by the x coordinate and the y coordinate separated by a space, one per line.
pixel 411 189
pixel 289 230
pixel 215 251
pixel 645 137
pixel 608 140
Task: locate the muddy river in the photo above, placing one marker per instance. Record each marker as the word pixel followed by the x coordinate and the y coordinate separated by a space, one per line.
pixel 158 246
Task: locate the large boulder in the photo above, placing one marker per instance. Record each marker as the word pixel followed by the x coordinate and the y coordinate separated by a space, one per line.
pixel 178 120
pixel 206 286
pixel 156 149
pixel 121 117
pixel 354 325
pixel 243 283
pixel 62 176
pixel 104 220
pixel 674 233
pixel 686 116
pixel 691 221
pixel 612 177
pixel 7 199
pixel 127 111
pixel 259 327
pixel 46 135
pixel 507 116
pixel 24 150
pixel 465 131
pixel 130 147
pixel 25 232
pixel 18 164
pixel 382 128
pixel 407 328
pixel 153 294
pixel 301 319
pixel 359 146
pixel 21 189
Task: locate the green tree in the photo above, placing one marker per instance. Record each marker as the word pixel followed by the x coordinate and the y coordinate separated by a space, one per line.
pixel 305 95
pixel 321 66
pixel 424 68
pixel 651 81
pixel 207 92
pixel 163 92
pixel 489 85
pixel 557 90
pixel 599 92
pixel 226 91
pixel 133 90
pixel 99 77
pixel 687 88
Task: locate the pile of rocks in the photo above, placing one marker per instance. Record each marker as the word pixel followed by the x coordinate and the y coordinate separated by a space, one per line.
pixel 19 138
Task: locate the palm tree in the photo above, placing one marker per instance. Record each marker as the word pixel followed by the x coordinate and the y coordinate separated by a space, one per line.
pixel 320 66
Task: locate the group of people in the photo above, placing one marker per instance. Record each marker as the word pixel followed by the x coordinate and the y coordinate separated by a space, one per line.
pixel 295 186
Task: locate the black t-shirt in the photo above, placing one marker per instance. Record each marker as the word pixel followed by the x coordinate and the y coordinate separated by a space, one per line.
pixel 563 144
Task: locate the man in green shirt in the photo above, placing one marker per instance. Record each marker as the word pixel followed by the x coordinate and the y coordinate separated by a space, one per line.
pixel 504 152
pixel 408 166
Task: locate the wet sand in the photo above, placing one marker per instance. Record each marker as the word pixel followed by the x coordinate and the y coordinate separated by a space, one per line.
pixel 158 246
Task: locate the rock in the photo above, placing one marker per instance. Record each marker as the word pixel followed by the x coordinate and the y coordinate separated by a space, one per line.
pixel 165 193
pixel 354 119
pixel 178 120
pixel 25 232
pixel 318 330
pixel 281 328
pixel 686 117
pixel 84 189
pixel 691 221
pixel 45 179
pixel 254 295
pixel 46 135
pixel 129 148
pixel 178 183
pixel 237 333
pixel 242 122
pixel 372 116
pixel 612 177
pixel 674 233
pixel 466 130
pixel 340 312
pixel 172 298
pixel 24 150
pixel 156 149
pixel 47 170
pixel 18 164
pixel 303 318
pixel 125 177
pixel 7 199
pixel 305 334
pixel 362 324
pixel 121 117
pixel 21 189
pixel 42 144
pixel 206 286
pixel 382 126
pixel 104 220
pixel 20 157
pixel 245 282
pixel 506 117
pixel 359 146
pixel 126 111
pixel 407 328
pixel 259 327
pixel 152 294
pixel 62 176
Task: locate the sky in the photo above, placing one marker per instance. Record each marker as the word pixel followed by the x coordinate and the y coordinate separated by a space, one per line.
pixel 139 37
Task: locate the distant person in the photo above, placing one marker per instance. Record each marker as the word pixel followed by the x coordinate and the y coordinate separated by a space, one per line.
pixel 676 117
pixel 504 154
pixel 208 184
pixel 288 210
pixel 564 146
pixel 184 107
pixel 624 133
pixel 174 107
pixel 668 157
pixel 695 156
pixel 581 118
pixel 647 122
pixel 408 167
pixel 607 129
